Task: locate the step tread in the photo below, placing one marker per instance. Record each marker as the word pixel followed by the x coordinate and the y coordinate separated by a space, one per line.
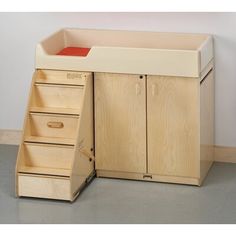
pixel 45 171
pixel 53 140
pixel 55 110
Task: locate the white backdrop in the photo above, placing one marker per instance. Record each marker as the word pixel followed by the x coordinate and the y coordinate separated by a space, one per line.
pixel 19 33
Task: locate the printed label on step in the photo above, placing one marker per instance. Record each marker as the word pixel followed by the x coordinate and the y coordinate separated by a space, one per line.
pixel 74 76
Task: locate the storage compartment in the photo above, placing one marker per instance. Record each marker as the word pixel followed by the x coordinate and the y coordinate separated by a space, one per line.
pixel 57 128
pixel 154 128
pixel 52 98
pixel 207 94
pixel 170 54
pixel 43 187
pixel 62 77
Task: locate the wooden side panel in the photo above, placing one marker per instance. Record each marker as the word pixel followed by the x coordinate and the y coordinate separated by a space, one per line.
pixel 207 123
pixel 173 126
pixel 82 166
pixel 120 122
pixel 126 60
pixel 206 52
pixel 131 39
pixel 20 160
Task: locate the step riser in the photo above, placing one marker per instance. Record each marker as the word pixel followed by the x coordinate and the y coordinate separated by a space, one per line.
pixel 53 126
pixel 43 187
pixel 47 156
pixel 57 96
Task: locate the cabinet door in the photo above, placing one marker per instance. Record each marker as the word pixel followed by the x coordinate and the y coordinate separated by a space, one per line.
pixel 120 122
pixel 173 126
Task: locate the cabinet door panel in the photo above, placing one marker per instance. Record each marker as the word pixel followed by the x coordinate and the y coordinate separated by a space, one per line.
pixel 120 122
pixel 173 126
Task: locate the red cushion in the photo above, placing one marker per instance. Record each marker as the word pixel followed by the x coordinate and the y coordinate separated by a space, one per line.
pixel 74 51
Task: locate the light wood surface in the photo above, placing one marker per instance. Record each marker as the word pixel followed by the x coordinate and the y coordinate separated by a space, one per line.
pixel 62 77
pixel 206 51
pixel 20 159
pixel 49 140
pixel 173 126
pixel 128 52
pixel 145 177
pixel 52 136
pixel 55 110
pixel 57 96
pixel 53 126
pixel 153 117
pixel 120 122
pixel 47 156
pixel 136 39
pixel 42 187
pixel 44 171
pixel 82 166
pixel 207 123
pixel 206 70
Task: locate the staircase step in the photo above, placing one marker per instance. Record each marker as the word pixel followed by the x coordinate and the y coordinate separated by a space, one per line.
pixel 44 171
pixel 55 110
pixel 36 139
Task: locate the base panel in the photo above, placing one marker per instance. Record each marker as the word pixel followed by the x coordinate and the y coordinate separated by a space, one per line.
pixel 148 177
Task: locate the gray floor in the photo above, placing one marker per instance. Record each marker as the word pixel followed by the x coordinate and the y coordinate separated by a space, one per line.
pixel 123 201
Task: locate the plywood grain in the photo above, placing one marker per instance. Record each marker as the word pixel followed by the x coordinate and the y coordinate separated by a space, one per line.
pixel 120 122
pixel 173 126
pixel 42 187
pixel 207 123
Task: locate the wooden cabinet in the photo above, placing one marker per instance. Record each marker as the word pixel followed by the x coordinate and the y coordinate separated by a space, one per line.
pixel 157 128
pixel 120 122
pixel 149 94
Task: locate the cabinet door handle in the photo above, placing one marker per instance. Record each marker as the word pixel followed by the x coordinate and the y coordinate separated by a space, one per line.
pixel 138 89
pixel 55 124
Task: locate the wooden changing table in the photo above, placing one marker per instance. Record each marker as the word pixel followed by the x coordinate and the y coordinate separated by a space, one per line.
pixel 119 104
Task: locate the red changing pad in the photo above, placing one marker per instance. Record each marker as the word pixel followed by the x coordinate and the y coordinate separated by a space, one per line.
pixel 74 51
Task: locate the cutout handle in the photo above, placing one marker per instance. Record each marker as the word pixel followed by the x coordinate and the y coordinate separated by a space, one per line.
pixel 55 124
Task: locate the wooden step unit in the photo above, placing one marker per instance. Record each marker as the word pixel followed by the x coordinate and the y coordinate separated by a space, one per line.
pixel 55 156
